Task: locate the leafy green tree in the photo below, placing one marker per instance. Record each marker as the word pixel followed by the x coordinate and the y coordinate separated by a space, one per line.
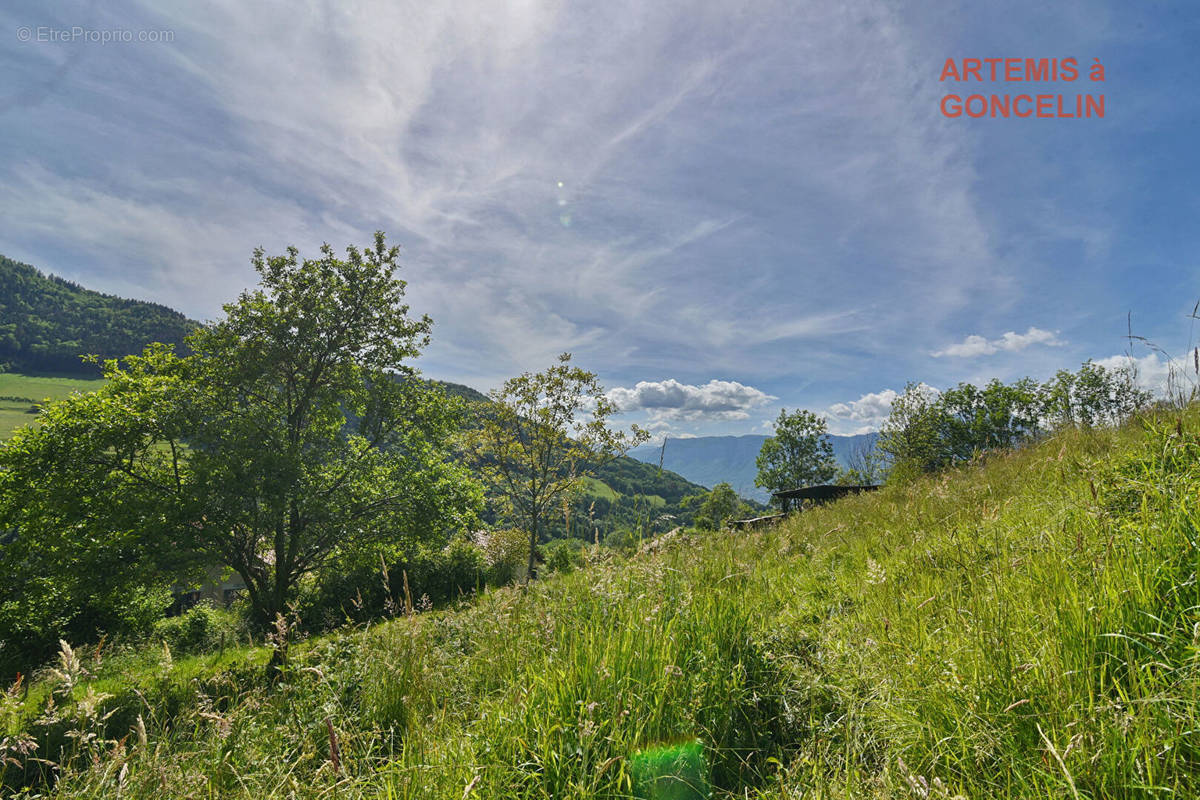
pixel 718 507
pixel 918 435
pixel 540 436
pixel 1095 395
pixel 927 430
pixel 294 430
pixel 799 454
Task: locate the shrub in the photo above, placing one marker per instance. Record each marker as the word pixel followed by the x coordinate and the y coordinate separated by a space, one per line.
pixel 361 589
pixel 506 552
pixel 202 628
pixel 564 555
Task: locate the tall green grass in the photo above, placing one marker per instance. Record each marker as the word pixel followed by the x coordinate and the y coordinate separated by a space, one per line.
pixel 1025 626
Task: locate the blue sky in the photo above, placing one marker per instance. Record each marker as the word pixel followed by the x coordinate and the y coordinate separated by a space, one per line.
pixel 722 210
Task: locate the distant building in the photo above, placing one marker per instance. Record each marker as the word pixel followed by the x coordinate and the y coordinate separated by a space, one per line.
pixel 221 587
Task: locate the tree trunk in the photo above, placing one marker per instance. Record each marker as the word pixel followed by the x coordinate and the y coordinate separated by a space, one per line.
pixel 277 623
pixel 533 543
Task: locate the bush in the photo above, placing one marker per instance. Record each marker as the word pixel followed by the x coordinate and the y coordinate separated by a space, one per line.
pixel 623 541
pixel 443 575
pixel 359 589
pixel 564 555
pixel 202 628
pixel 506 552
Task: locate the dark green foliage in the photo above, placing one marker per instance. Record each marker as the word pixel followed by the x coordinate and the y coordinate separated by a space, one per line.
pixel 203 628
pixel 714 509
pixel 369 584
pixel 47 323
pixel 564 555
pixel 279 442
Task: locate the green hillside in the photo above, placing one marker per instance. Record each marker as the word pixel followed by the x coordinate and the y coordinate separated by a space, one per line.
pixel 1019 627
pixel 622 491
pixel 47 323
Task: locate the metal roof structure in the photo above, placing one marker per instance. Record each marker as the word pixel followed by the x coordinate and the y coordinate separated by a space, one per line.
pixel 821 493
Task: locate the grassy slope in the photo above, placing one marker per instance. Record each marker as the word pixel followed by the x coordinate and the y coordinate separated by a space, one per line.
pixel 1025 629
pixel 30 390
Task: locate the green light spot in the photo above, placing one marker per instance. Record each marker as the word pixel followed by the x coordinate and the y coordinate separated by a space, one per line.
pixel 672 772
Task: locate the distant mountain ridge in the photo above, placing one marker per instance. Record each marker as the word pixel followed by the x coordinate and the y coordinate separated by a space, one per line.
pixel 709 460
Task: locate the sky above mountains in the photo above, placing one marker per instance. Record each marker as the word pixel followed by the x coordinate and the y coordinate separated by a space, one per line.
pixel 720 210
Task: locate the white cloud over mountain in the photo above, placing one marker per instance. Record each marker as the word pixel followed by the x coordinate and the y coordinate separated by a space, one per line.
pixel 866 414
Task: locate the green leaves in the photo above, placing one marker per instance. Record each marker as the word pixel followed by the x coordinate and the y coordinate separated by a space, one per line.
pixel 799 454
pixel 927 430
pixel 295 429
pixel 718 507
pixel 541 434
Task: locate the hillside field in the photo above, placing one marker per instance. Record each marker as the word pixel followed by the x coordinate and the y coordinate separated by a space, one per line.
pixel 18 393
pixel 1024 626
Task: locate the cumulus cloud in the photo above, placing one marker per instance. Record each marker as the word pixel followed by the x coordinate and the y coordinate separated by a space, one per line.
pixel 670 399
pixel 868 413
pixel 1158 375
pixel 870 407
pixel 1011 342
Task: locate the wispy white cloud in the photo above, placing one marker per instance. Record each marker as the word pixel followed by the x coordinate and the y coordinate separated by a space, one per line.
pixel 683 189
pixel 1011 342
pixel 635 183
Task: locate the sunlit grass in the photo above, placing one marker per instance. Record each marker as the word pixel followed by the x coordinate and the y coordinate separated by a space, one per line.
pixel 1022 627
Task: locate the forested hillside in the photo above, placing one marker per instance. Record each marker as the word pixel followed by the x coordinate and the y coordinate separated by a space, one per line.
pixel 47 323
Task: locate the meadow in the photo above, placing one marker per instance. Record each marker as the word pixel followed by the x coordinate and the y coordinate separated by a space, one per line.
pixel 1021 626
pixel 19 393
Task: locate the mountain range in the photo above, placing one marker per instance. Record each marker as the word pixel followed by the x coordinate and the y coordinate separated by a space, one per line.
pixel 709 460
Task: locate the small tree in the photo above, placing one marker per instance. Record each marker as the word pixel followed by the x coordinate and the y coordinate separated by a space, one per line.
pixel 1096 395
pixel 917 435
pixel 540 436
pixel 799 454
pixel 718 507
